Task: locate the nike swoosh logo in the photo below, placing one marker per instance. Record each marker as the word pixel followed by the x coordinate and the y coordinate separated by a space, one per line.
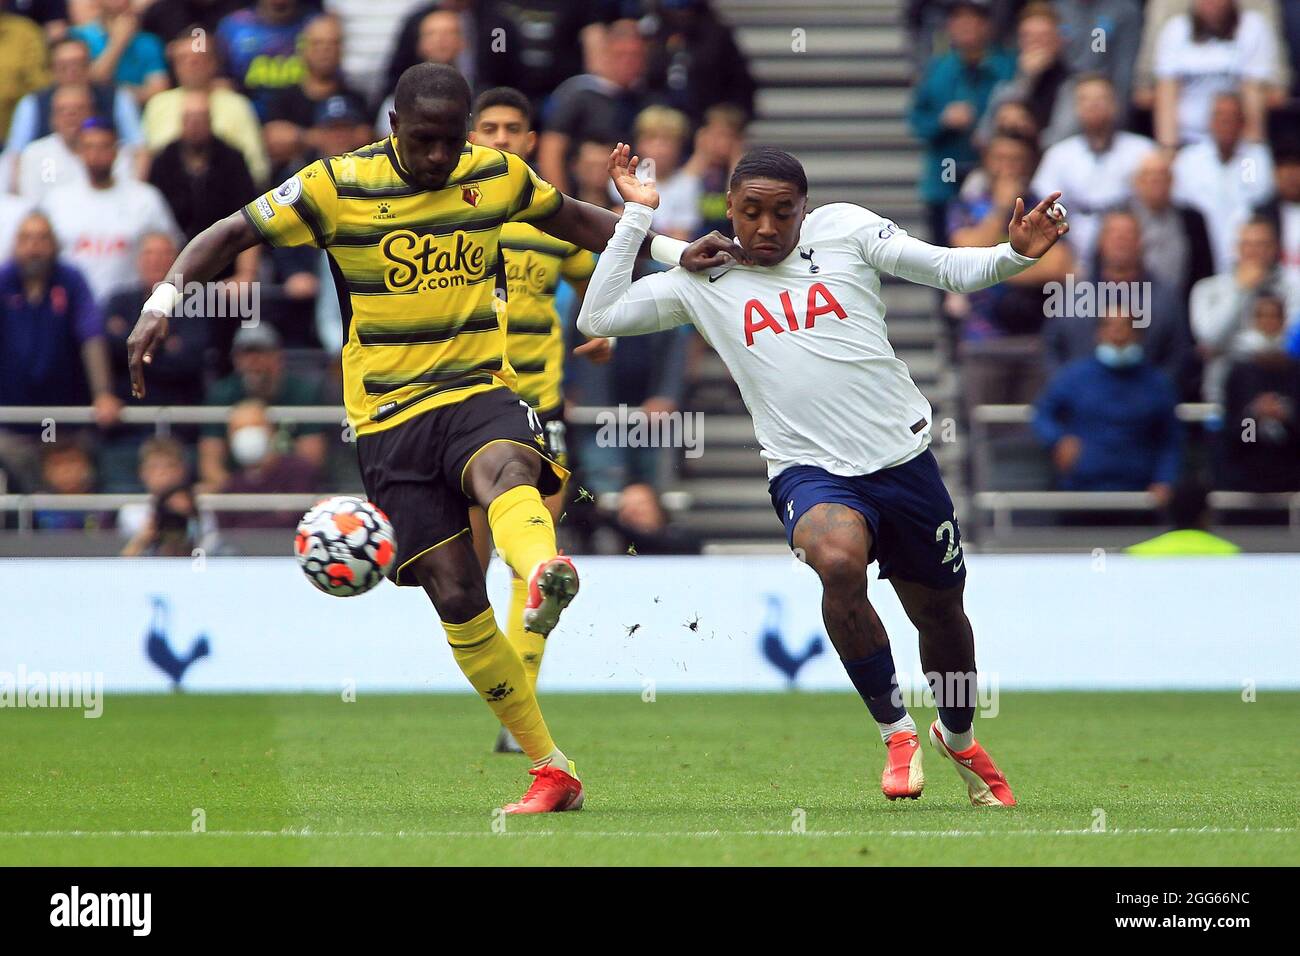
pixel 716 278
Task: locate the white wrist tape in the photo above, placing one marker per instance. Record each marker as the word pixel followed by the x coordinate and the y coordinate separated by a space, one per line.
pixel 163 299
pixel 667 250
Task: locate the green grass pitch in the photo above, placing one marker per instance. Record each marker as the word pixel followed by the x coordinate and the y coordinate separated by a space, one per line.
pixel 1182 778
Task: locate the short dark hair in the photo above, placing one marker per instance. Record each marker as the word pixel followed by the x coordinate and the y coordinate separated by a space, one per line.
pixel 504 96
pixel 768 162
pixel 430 81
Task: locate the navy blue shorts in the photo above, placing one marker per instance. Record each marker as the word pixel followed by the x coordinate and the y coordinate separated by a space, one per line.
pixel 914 532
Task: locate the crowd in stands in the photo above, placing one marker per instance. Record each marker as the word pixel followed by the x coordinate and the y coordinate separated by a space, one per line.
pixel 130 126
pixel 1172 128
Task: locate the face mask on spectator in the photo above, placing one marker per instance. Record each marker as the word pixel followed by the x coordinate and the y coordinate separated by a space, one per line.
pixel 1113 356
pixel 1255 342
pixel 249 445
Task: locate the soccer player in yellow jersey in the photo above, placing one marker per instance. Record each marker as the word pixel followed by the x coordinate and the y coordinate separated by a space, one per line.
pixel 411 226
pixel 535 265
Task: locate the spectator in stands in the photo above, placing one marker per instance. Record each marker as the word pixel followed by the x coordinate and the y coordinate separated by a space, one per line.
pixel 591 173
pixel 176 373
pixel 70 65
pixel 1117 24
pixel 1213 49
pixel 50 15
pixel 500 35
pixel 13 210
pixel 260 48
pixel 1224 176
pixel 262 468
pixel 1284 209
pixel 52 161
pixel 202 177
pixel 168 19
pixel 99 222
pixel 1095 167
pixel 24 63
pixel 260 374
pixel 947 105
pixel 67 469
pixel 150 526
pixel 660 135
pixel 1109 420
pixel 641 526
pixel 718 145
pixel 1117 272
pixel 1043 79
pixel 52 348
pixel 1222 306
pixel 1009 116
pixel 1260 442
pixel 441 41
pixel 292 112
pixel 1189 512
pixel 1000 348
pixel 684 57
pixel 121 52
pixel 1176 243
pixel 173 527
pixel 233 118
pixel 601 105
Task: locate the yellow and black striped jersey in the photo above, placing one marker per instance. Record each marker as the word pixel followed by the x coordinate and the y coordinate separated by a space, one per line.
pixel 535 263
pixel 415 269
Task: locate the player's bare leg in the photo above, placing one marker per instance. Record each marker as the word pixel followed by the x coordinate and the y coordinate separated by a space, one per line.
pixel 948 657
pixel 531 647
pixel 835 541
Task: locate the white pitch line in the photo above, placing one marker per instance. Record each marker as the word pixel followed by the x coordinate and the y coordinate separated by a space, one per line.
pixel 636 834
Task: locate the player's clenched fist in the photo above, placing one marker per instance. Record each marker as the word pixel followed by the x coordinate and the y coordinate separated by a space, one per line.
pixel 622 170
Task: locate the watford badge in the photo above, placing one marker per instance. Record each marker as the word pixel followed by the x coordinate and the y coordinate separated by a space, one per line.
pixel 471 195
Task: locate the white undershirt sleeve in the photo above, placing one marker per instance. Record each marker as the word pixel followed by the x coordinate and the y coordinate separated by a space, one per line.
pixel 614 304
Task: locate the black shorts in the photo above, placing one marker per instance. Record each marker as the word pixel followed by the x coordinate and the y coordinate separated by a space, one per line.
pixel 554 428
pixel 414 471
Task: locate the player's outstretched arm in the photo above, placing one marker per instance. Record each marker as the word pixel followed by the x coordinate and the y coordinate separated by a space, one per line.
pixel 614 304
pixel 1030 234
pixel 203 257
pixel 590 227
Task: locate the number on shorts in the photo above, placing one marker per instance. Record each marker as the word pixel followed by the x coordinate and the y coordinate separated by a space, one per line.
pixel 534 422
pixel 948 532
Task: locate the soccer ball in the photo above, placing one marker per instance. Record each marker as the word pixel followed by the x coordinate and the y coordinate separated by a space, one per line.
pixel 345 546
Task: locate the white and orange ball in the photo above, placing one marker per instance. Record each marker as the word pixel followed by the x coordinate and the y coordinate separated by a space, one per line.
pixel 345 546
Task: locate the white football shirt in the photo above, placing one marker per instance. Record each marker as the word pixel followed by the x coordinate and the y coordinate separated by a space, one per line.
pixel 805 339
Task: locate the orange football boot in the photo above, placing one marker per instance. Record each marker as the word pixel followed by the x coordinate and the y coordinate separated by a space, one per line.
pixel 903 776
pixel 984 781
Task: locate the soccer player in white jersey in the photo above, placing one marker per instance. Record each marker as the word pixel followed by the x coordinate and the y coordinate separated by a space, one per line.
pixel 799 321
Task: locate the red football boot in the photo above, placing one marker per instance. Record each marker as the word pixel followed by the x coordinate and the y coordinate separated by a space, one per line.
pixel 552 791
pixel 903 776
pixel 551 586
pixel 984 781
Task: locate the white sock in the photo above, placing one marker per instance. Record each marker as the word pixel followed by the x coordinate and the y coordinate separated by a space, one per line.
pixel 888 730
pixel 957 742
pixel 554 759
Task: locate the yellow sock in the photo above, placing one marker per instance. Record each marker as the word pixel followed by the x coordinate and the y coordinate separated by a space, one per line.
pixel 495 671
pixel 522 529
pixel 528 645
